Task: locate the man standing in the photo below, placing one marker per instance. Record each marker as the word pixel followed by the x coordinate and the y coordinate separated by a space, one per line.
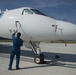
pixel 17 43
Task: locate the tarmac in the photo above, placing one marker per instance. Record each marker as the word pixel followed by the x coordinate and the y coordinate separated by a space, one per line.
pixel 65 65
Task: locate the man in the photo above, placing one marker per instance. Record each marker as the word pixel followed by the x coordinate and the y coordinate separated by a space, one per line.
pixel 17 43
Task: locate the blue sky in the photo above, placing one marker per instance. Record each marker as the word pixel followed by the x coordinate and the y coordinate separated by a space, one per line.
pixel 60 9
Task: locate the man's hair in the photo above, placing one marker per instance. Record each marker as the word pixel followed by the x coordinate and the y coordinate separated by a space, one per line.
pixel 18 34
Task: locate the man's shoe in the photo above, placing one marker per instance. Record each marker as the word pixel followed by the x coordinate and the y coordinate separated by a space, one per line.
pixel 17 68
pixel 9 68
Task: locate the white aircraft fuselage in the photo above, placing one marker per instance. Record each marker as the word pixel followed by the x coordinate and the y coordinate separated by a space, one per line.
pixel 33 23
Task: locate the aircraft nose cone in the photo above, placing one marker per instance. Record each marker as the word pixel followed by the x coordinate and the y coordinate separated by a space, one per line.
pixel 66 30
pixel 71 32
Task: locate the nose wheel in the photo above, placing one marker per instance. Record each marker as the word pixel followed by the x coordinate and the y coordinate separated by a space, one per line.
pixel 39 59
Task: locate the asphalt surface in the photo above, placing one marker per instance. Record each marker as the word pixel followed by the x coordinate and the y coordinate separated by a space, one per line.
pixel 65 65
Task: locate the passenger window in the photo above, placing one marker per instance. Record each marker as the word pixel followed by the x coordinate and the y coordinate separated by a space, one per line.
pixel 26 12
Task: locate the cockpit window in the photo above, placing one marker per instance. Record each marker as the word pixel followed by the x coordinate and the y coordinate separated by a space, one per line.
pixel 1 14
pixel 26 12
pixel 37 12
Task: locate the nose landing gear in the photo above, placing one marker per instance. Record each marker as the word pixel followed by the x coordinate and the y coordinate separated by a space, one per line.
pixel 39 56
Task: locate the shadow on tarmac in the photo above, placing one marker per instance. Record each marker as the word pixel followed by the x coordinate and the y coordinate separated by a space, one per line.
pixel 50 56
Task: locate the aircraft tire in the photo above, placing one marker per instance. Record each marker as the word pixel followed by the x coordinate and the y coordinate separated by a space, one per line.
pixel 38 59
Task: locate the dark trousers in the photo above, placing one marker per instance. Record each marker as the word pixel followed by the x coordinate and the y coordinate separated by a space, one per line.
pixel 13 53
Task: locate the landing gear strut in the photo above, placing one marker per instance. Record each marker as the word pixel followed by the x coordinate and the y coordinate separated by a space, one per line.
pixel 39 56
